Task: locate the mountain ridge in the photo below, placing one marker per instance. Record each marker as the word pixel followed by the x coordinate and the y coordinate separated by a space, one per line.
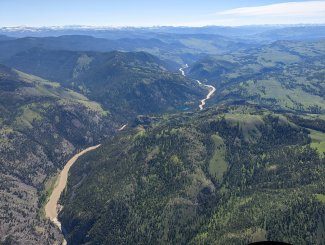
pixel 41 125
pixel 131 82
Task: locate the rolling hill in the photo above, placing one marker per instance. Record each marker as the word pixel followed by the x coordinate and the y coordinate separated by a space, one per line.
pixel 285 75
pixel 228 175
pixel 174 48
pixel 126 83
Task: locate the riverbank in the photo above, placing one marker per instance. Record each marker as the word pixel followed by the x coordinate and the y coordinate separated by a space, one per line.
pixel 211 88
pixel 52 207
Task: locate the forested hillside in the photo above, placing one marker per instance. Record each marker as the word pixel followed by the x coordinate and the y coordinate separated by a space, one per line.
pixel 127 84
pixel 175 48
pixel 41 126
pixel 229 175
pixel 285 75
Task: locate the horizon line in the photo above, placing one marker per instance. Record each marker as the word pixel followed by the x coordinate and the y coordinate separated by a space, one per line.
pixel 154 26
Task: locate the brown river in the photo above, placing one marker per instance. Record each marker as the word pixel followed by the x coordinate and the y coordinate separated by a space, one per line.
pixel 52 207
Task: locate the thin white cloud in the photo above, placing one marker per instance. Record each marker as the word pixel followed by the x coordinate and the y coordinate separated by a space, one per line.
pixel 289 9
pixel 306 12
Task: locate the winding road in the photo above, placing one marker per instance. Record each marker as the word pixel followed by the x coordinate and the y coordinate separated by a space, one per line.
pixel 52 207
pixel 211 88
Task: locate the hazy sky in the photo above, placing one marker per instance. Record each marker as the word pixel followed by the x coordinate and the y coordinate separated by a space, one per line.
pixel 158 12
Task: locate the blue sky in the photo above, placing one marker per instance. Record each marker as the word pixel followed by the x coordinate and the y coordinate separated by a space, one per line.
pixel 159 12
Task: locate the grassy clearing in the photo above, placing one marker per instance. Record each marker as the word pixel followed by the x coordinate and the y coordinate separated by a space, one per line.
pixel 4 132
pixel 70 96
pixel 218 165
pixel 44 88
pixel 313 116
pixel 317 141
pixel 248 124
pixel 275 56
pixel 83 63
pixel 36 80
pixel 27 117
pixel 140 132
pixel 200 45
pixel 320 197
pixel 292 99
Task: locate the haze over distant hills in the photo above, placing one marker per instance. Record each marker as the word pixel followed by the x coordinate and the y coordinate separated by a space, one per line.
pixel 254 31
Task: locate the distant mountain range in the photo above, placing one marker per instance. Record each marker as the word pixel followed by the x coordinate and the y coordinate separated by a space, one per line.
pixel 176 49
pixel 258 32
